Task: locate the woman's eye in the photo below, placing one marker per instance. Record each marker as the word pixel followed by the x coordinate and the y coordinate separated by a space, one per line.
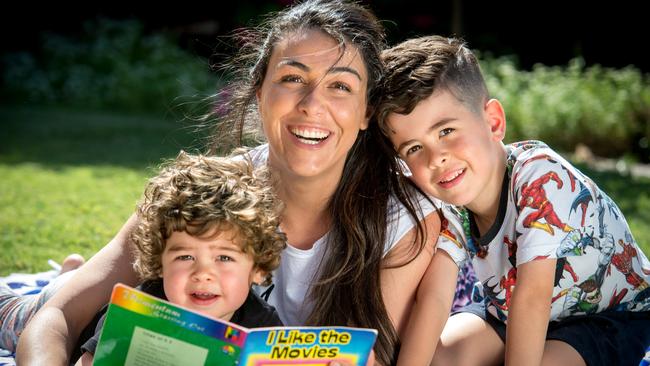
pixel 341 86
pixel 291 79
pixel 224 258
pixel 413 149
pixel 446 131
pixel 186 257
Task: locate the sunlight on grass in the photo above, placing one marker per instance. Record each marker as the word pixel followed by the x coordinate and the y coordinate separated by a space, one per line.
pixel 47 213
pixel 70 179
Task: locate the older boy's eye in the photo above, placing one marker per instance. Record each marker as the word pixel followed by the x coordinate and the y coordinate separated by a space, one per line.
pixel 224 258
pixel 446 131
pixel 413 149
pixel 186 257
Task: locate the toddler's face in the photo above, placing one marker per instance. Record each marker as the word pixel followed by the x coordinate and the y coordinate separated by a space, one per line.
pixel 208 274
pixel 450 150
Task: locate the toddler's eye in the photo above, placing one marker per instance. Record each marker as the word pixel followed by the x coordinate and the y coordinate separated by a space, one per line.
pixel 224 258
pixel 185 257
pixel 413 149
pixel 446 131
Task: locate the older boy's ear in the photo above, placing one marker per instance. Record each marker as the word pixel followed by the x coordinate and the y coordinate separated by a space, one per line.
pixel 497 119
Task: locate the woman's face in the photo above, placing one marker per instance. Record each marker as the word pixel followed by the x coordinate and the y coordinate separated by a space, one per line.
pixel 312 103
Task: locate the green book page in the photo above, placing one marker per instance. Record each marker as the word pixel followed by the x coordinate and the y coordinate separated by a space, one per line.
pixel 142 330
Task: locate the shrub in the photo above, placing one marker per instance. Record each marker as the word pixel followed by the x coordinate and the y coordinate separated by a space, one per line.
pixel 606 109
pixel 113 65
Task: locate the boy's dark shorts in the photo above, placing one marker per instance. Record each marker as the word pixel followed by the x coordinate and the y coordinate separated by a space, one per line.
pixel 606 338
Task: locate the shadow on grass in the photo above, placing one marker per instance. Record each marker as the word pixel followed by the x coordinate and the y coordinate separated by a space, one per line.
pixel 631 194
pixel 55 138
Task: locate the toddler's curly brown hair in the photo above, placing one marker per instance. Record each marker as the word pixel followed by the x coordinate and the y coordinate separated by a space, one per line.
pixel 200 194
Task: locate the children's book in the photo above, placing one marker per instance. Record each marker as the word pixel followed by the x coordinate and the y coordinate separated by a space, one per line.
pixel 143 330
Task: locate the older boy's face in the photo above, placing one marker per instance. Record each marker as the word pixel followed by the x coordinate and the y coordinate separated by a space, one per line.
pixel 451 151
pixel 209 274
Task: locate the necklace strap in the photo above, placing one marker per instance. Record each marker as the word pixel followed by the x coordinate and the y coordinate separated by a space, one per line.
pixel 474 247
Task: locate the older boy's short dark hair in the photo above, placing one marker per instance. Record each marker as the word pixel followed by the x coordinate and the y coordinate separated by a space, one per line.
pixel 419 67
pixel 200 194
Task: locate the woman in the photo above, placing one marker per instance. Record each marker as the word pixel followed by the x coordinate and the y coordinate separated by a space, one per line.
pixel 356 253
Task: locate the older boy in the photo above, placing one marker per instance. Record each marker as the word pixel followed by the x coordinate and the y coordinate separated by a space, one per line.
pixel 562 280
pixel 207 230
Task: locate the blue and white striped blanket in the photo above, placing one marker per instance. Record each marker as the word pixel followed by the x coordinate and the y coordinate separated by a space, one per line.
pixel 24 284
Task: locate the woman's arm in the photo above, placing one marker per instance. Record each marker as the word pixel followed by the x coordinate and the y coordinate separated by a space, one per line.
pixel 399 284
pixel 50 336
pixel 433 302
pixel 530 309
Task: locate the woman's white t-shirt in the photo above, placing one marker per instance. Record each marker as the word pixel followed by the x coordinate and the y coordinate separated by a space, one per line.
pixel 298 267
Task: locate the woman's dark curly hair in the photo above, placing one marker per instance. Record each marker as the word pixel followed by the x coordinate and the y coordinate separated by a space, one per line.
pixel 198 194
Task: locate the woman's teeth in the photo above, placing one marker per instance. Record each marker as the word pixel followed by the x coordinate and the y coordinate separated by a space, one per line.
pixel 309 136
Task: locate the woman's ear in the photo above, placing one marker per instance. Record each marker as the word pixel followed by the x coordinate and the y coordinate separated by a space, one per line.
pixel 258 96
pixel 364 123
pixel 496 118
pixel 366 119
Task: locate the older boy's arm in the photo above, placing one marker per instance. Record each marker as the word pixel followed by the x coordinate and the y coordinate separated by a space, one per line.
pixel 51 335
pixel 529 313
pixel 432 305
pixel 399 284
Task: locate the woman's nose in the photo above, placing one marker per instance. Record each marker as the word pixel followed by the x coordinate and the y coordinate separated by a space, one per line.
pixel 312 102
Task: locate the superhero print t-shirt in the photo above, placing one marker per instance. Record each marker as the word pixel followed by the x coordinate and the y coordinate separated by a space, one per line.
pixel 549 209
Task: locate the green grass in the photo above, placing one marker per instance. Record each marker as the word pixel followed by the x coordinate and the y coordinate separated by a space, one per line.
pixel 70 179
pixel 47 213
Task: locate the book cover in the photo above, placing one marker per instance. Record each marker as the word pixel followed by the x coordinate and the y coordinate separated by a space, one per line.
pixel 143 330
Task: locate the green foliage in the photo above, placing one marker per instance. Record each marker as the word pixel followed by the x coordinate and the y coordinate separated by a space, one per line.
pixel 606 109
pixel 114 65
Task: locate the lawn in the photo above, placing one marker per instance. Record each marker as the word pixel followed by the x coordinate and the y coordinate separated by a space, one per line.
pixel 70 179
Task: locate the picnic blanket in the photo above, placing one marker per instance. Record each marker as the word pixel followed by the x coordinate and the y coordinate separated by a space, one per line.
pixel 33 283
pixel 24 284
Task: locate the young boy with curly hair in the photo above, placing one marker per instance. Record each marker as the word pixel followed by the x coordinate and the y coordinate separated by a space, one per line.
pixel 207 230
pixel 561 279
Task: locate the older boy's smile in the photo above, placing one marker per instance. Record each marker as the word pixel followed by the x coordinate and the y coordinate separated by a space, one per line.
pixel 451 179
